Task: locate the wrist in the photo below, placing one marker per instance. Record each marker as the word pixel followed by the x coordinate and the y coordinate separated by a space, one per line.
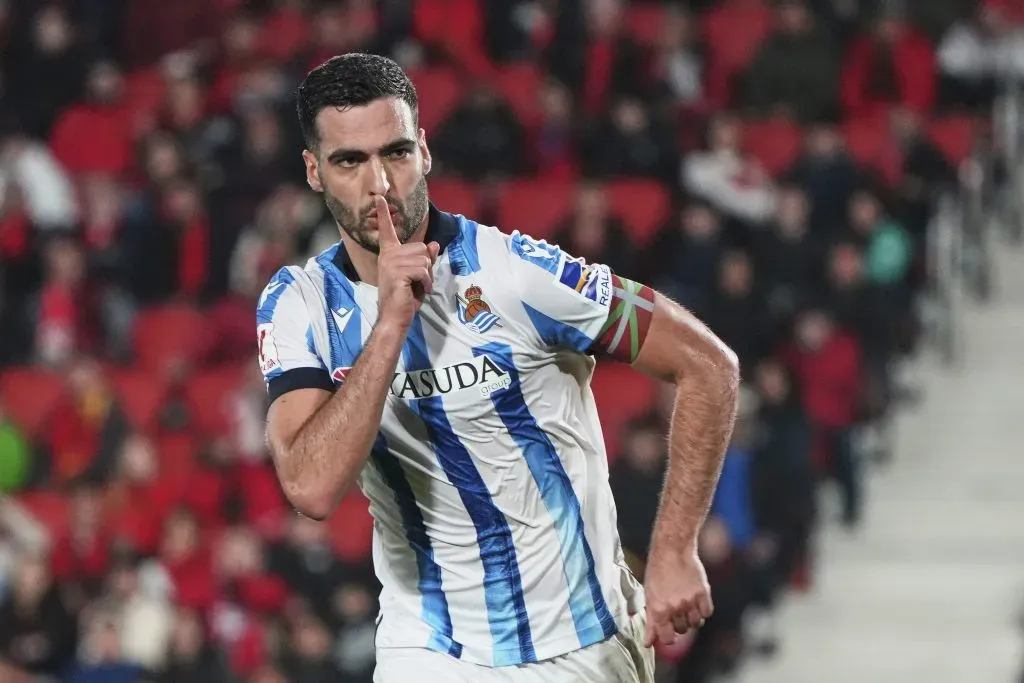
pixel 390 328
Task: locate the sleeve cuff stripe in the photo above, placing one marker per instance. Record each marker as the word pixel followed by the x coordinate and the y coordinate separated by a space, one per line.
pixel 299 378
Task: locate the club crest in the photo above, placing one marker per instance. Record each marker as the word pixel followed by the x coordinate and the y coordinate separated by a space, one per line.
pixel 475 313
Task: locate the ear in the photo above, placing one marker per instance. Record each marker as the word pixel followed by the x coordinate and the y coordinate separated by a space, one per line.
pixel 428 162
pixel 312 170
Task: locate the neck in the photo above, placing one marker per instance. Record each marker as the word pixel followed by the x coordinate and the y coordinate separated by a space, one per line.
pixel 365 261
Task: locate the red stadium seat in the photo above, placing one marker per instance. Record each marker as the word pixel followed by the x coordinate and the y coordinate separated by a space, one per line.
pixel 644 206
pixel 352 528
pixel 776 143
pixel 29 397
pixel 163 335
pixel 141 395
pixel 439 93
pixel 534 207
pixel 870 145
pixel 954 136
pixel 209 394
pixel 519 85
pixel 177 452
pixel 644 21
pixel 621 392
pixel 455 196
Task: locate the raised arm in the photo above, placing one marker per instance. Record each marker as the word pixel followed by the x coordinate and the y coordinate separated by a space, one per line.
pixel 662 339
pixel 320 442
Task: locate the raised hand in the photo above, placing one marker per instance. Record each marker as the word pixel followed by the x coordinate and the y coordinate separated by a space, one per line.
pixel 405 272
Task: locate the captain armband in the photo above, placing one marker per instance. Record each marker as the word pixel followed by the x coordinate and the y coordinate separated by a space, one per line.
pixel 629 319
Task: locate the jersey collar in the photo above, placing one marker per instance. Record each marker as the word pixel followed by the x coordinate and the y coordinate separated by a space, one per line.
pixel 442 228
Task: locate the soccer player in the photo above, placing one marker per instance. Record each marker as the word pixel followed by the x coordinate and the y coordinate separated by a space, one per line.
pixel 445 367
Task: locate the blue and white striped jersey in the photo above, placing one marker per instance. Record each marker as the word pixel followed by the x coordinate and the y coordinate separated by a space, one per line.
pixel 495 534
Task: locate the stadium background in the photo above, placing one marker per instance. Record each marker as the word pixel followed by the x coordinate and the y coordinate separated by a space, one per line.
pixel 775 165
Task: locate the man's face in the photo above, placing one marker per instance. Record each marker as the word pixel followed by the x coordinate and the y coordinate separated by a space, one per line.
pixel 365 152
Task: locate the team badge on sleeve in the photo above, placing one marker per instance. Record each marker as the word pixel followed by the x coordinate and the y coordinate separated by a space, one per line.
pixel 267 347
pixel 593 281
pixel 475 313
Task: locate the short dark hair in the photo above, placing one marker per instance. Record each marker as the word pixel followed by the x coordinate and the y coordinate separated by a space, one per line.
pixel 350 80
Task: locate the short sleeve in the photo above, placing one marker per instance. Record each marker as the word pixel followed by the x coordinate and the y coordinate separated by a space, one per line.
pixel 285 339
pixel 566 299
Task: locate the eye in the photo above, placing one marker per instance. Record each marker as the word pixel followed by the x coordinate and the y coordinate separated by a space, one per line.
pixel 398 154
pixel 347 162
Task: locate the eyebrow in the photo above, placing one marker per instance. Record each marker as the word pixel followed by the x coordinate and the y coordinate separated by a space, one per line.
pixel 393 146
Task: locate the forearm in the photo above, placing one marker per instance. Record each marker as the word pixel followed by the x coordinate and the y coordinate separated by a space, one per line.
pixel 702 424
pixel 330 449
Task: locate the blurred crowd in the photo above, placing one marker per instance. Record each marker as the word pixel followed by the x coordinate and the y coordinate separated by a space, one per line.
pixel 771 164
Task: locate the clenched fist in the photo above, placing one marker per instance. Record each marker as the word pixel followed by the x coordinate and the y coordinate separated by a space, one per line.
pixel 405 272
pixel 678 596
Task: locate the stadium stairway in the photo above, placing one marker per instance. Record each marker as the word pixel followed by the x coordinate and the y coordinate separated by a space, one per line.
pixel 930 589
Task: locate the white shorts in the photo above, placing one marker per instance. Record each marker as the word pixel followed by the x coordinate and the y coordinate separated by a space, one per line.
pixel 620 659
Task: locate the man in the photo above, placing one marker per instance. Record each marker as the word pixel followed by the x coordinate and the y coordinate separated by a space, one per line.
pixel 445 365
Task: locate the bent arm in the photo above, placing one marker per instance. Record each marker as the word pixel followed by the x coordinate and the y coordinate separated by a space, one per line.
pixel 664 340
pixel 320 442
pixel 681 349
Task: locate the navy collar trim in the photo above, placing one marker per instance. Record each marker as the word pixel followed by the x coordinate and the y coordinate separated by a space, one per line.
pixel 442 228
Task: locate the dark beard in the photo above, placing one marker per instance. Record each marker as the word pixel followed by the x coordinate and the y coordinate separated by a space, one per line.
pixel 411 213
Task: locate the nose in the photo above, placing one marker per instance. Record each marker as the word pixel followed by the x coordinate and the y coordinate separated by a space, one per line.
pixel 379 183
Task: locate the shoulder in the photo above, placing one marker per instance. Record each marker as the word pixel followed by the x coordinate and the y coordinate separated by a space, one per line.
pixel 289 287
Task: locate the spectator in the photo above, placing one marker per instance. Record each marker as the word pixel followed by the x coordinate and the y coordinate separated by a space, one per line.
pixel 47 70
pixel 37 630
pixel 893 66
pixel 47 192
pixel 101 659
pixel 95 136
pixel 795 71
pixel 591 232
pixel 191 656
pixel 736 312
pixel 143 613
pixel 452 31
pixel 593 56
pixel 15 457
pixel 63 314
pixel 827 174
pixel 629 142
pixel 168 256
pixel 138 500
pixel 305 560
pixel 355 608
pixel 826 363
pixel 678 61
pixel 683 257
pixel 20 535
pixel 636 478
pixel 730 180
pixel 81 558
pixel 481 137
pixel 783 481
pixel 924 173
pixel 977 53
pixel 788 257
pixel 308 656
pixel 888 252
pixel 88 429
pixel 339 28
pixel 552 140
pixel 733 32
pixel 187 561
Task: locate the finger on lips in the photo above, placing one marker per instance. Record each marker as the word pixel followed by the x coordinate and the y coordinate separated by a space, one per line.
pixel 386 235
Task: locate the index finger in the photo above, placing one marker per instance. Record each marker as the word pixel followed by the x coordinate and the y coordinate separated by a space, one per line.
pixel 387 237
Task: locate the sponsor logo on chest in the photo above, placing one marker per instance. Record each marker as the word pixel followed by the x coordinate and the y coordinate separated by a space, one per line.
pixel 480 375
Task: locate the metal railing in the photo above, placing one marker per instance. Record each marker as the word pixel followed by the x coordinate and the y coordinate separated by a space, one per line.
pixel 986 208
